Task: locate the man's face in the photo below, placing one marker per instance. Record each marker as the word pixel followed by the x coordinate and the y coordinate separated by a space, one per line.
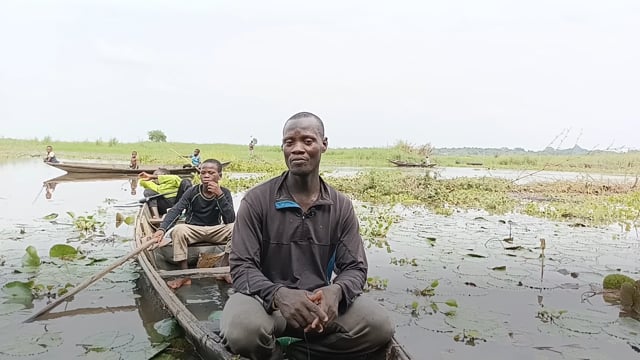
pixel 303 145
pixel 49 148
pixel 209 172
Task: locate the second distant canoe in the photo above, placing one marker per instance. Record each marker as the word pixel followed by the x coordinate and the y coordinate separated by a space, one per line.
pixel 411 164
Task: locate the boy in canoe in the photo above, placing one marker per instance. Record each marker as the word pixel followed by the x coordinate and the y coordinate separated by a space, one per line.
pixel 292 234
pixel 51 156
pixel 133 164
pixel 209 218
pixel 195 159
pixel 161 182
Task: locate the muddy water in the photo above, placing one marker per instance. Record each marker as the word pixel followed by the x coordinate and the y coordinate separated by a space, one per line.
pixel 104 321
pixel 537 307
pixel 517 300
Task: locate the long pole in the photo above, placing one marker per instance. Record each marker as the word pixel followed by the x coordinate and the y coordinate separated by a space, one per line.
pixel 90 280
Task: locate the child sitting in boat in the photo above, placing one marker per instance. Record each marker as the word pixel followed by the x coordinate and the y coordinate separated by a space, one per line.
pixel 209 218
pixel 134 160
pixel 51 156
pixel 161 182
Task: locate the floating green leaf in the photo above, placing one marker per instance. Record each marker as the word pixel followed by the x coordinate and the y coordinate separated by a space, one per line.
pixel 452 303
pixel 31 258
pixel 435 283
pixel 476 255
pixel 169 328
pixel 129 220
pixel 18 290
pixel 63 251
pixel 9 307
pixel 51 216
pixel 499 268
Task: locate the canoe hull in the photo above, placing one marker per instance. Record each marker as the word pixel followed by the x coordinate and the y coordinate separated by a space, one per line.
pixel 119 169
pixel 410 164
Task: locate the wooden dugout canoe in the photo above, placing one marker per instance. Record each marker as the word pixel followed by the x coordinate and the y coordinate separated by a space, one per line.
pixel 119 169
pixel 401 163
pixel 200 331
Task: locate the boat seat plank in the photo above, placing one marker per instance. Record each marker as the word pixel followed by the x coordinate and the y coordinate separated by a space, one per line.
pixel 198 272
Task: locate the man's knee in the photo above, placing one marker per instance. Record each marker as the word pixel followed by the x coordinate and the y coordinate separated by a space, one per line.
pixel 179 231
pixel 381 328
pixel 377 327
pixel 245 326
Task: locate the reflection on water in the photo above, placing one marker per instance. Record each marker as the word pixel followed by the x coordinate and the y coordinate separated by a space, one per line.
pixel 523 300
pixel 510 299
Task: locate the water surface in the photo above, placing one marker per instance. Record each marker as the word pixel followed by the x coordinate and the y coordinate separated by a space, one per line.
pixel 513 300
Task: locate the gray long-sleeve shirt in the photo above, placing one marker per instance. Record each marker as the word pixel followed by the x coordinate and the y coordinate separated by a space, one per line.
pixel 275 244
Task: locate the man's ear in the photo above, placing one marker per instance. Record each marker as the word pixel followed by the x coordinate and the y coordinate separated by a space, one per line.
pixel 325 144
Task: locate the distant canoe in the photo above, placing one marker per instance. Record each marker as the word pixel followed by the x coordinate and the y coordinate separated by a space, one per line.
pixel 119 169
pixel 410 164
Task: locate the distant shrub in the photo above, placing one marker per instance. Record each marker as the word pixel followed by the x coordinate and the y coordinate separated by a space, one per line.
pixel 157 136
pixel 113 142
pixel 99 142
pixel 46 139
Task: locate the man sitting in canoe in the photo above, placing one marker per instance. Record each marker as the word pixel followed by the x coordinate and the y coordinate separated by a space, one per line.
pixel 161 182
pixel 291 234
pixel 209 218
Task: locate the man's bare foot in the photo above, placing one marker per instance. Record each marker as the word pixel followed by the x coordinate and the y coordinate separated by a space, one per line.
pixel 224 277
pixel 177 283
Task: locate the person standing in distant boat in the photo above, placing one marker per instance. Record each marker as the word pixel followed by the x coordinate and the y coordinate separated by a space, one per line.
pixel 51 156
pixel 195 159
pixel 134 160
pixel 252 144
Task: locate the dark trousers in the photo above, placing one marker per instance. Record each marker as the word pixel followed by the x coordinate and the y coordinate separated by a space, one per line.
pixel 248 330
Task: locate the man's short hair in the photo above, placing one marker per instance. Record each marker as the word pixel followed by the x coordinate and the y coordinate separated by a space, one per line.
pixel 306 115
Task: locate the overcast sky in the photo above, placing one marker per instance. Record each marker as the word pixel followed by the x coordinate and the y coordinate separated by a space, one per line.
pixel 452 73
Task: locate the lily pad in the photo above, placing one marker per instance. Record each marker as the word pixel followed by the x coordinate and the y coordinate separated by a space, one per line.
pixel 18 290
pixel 63 251
pixel 168 328
pixel 33 346
pixel 51 216
pixel 31 258
pixel 8 308
pixel 142 350
pixel 106 340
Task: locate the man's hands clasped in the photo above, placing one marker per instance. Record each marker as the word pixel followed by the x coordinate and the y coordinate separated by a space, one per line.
pixel 309 311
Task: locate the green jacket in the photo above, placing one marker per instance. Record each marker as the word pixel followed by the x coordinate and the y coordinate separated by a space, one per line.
pixel 164 184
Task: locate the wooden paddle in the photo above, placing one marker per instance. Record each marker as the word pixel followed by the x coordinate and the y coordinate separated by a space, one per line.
pixel 91 280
